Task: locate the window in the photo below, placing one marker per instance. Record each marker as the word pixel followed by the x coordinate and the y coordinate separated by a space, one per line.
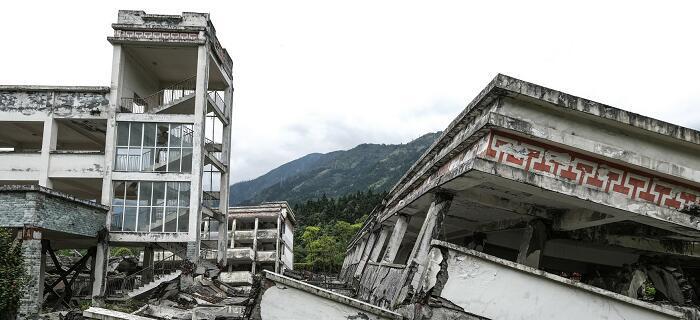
pixel 154 147
pixel 146 206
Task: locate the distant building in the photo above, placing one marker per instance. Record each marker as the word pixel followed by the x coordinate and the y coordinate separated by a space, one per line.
pixel 260 238
pixel 154 146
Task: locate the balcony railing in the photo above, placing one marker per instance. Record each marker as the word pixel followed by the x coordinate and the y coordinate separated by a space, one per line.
pixel 218 100
pixel 163 97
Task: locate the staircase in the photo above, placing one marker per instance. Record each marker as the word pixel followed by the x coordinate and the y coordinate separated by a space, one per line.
pixel 172 99
pixel 142 282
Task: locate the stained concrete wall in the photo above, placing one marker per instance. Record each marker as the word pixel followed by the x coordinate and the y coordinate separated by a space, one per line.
pixel 74 102
pixel 500 289
pixel 48 209
pixel 285 298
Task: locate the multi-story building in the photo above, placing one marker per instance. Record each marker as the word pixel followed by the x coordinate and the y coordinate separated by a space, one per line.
pixel 154 146
pixel 260 238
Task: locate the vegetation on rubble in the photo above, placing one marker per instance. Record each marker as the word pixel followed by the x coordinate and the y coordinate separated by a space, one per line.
pixel 325 227
pixel 13 276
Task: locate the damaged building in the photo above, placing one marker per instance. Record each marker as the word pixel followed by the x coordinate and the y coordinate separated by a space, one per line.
pixel 138 164
pixel 536 204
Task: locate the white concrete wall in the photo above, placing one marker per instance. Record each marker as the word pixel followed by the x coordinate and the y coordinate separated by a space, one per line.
pixel 287 303
pixel 607 139
pixel 20 166
pixel 76 165
pixel 136 80
pixel 500 289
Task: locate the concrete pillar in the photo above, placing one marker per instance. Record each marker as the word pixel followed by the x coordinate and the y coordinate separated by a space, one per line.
pixel 255 244
pixel 278 248
pixel 48 144
pixel 432 227
pixel 148 260
pixel 365 255
pixel 224 192
pixel 392 248
pixel 100 271
pixel 200 110
pixel 383 234
pixel 532 245
pixel 233 234
pixel 33 293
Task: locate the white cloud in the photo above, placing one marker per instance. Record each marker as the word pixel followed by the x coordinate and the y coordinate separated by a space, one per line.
pixel 317 76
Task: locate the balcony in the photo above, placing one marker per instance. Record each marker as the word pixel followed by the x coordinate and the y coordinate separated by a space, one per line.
pixel 266 256
pixel 240 254
pixel 248 235
pixel 175 99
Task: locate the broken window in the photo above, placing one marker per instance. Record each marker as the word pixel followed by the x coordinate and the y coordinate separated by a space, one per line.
pixel 146 206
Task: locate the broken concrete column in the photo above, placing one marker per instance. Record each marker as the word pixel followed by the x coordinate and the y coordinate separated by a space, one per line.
pixel 99 272
pixel 532 245
pixel 365 255
pixel 383 234
pixel 48 144
pixel 432 227
pixel 392 248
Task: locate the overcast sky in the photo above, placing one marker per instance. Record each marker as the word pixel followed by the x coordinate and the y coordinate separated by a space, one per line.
pixel 328 75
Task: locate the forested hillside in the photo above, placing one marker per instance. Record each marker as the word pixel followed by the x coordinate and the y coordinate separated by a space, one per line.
pixel 334 174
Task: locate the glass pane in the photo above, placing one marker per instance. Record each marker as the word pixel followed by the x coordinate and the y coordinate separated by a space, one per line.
pixel 170 219
pixel 172 194
pixel 183 220
pixel 135 137
pixel 149 134
pixel 118 195
pixel 175 135
pixel 174 160
pixel 117 216
pixel 133 160
pixel 129 219
pixel 145 194
pixel 161 161
pixel 157 220
pixel 143 219
pixel 158 193
pixel 184 194
pixel 121 161
pixel 187 134
pixel 122 133
pixel 162 135
pixel 132 188
pixel 147 159
pixel 186 160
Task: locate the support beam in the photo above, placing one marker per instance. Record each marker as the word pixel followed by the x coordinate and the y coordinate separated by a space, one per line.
pixel 392 248
pixel 431 229
pixel 148 260
pixel 365 254
pixel 255 244
pixel 583 218
pixel 48 144
pixel 532 245
pixel 379 244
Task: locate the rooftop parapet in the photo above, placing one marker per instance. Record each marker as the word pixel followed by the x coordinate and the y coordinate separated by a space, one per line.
pixel 188 28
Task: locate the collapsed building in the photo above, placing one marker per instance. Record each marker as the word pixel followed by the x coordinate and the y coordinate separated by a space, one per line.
pixel 137 164
pixel 262 238
pixel 536 204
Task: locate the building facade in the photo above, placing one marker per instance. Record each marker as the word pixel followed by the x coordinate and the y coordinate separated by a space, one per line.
pixel 260 238
pixel 536 204
pixel 153 146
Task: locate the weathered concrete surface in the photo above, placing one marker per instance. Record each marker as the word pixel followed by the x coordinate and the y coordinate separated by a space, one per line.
pixel 50 210
pixel 286 298
pixel 500 289
pixel 380 283
pixel 107 314
pixel 73 102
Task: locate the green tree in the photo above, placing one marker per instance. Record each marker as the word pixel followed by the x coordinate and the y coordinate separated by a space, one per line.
pixel 13 276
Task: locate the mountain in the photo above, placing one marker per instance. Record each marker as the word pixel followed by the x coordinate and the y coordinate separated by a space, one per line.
pixel 338 173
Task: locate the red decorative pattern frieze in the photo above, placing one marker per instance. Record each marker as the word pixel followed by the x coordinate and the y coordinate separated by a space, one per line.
pixel 590 172
pixel 156 35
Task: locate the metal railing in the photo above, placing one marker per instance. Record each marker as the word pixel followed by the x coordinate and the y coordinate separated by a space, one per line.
pixel 119 286
pixel 218 101
pixel 163 97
